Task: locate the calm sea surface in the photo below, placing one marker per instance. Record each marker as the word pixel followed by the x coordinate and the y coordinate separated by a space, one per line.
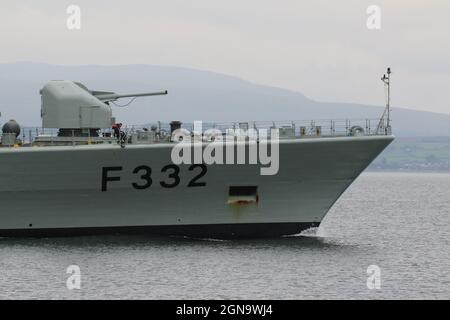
pixel 399 222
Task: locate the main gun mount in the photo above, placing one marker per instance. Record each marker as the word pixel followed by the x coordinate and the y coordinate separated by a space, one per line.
pixel 72 106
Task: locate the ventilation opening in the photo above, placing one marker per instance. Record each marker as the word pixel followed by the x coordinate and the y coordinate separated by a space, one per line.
pixel 243 195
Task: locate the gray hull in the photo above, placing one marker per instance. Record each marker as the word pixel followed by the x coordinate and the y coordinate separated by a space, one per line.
pixel 61 191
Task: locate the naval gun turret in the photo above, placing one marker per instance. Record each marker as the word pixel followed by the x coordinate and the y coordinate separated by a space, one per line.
pixel 77 111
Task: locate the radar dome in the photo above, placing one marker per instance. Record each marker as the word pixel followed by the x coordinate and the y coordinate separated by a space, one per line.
pixel 11 127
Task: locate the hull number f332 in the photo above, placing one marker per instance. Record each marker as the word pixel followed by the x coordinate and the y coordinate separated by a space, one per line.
pixel 144 176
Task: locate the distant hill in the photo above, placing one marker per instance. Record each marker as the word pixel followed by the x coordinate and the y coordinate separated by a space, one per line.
pixel 193 95
pixel 415 154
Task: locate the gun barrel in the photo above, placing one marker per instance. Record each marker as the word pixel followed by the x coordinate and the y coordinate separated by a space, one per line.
pixel 114 96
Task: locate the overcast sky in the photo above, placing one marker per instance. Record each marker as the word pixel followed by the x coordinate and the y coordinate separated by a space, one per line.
pixel 320 48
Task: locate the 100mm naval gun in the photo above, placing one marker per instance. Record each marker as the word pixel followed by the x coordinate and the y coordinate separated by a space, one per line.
pixel 77 111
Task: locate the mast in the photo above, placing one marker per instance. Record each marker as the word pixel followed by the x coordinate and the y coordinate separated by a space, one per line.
pixel 387 82
pixel 387 111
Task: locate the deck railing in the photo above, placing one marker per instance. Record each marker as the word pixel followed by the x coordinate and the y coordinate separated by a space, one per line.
pixel 288 128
